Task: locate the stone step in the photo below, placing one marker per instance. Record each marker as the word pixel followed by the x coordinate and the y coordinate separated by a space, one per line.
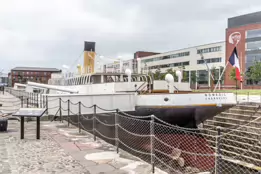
pixel 235 137
pixel 234 143
pixel 231 125
pixel 238 156
pixel 242 163
pixel 241 111
pixel 246 151
pixel 237 116
pixel 235 132
pixel 253 122
pixel 246 106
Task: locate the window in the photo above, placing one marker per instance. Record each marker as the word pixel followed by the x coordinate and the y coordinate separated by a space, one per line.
pixel 252 46
pixel 253 33
pixel 181 54
pixel 209 50
pixel 170 65
pixel 212 60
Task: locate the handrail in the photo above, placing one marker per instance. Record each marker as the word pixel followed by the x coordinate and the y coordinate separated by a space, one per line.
pixel 176 88
pixel 141 86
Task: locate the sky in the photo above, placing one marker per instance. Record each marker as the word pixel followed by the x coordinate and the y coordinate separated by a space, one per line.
pixel 51 33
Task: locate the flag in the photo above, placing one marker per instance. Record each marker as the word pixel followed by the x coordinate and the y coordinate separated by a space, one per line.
pixel 234 61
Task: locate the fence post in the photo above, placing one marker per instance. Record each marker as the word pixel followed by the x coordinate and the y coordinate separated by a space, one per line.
pixel 218 157
pixel 247 96
pixel 27 100
pixel 152 136
pixel 79 114
pixel 60 107
pixel 68 113
pixel 117 130
pixel 94 122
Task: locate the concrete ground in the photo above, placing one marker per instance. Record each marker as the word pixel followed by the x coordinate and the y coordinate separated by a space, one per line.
pixel 64 150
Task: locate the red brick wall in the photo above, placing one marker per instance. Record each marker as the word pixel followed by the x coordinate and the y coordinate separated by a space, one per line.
pixel 34 74
pixel 241 47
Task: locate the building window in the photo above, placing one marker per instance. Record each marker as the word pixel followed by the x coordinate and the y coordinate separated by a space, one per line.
pixel 203 77
pixel 253 46
pixel 181 54
pixel 209 50
pixel 170 65
pixel 212 60
pixel 253 33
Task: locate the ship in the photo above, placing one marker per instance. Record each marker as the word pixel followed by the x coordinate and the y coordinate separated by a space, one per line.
pixel 173 103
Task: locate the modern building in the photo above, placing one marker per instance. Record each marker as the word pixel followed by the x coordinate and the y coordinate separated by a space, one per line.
pixel 244 32
pixel 193 61
pixel 32 74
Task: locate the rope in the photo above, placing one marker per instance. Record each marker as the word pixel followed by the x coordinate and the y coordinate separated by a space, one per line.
pixel 106 109
pixel 104 123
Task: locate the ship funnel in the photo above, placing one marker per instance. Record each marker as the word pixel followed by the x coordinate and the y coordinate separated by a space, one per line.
pixel 170 80
pixel 179 74
pixel 89 57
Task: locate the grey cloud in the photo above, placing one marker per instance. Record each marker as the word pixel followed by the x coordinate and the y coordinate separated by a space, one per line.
pixel 51 33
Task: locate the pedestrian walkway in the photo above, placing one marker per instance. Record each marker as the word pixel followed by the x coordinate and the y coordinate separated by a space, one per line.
pixel 62 150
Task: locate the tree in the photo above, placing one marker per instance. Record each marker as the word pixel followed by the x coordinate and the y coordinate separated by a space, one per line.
pixel 185 76
pixel 193 77
pixel 157 74
pixel 232 76
pixel 254 72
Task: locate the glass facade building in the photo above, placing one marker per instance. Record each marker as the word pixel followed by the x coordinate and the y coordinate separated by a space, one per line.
pixel 244 33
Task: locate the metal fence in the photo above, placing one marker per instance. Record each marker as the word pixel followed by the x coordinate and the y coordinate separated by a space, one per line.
pixel 172 149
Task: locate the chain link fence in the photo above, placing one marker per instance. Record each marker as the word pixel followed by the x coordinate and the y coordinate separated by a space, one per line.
pixel 219 147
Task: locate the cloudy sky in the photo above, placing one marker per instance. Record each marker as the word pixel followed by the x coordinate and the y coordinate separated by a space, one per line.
pixel 50 33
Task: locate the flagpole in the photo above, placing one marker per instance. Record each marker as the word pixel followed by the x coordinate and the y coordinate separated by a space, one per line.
pixel 221 76
pixel 241 81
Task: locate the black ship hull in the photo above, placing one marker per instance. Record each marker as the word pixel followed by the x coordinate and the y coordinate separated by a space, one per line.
pixel 188 116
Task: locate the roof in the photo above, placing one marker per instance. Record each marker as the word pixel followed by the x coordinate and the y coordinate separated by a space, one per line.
pixel 246 19
pixel 35 69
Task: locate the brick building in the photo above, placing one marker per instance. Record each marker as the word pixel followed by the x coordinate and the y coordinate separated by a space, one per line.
pixel 32 74
pixel 140 54
pixel 244 32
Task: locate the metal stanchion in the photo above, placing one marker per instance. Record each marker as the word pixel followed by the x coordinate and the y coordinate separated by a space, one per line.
pixel 68 120
pixel 79 114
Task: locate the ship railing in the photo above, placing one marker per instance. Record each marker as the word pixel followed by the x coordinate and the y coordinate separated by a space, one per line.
pixel 164 146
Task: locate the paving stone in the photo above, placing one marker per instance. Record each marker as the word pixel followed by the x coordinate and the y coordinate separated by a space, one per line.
pixel 100 168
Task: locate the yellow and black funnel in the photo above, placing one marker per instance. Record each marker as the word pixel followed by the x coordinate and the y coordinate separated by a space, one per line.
pixel 89 57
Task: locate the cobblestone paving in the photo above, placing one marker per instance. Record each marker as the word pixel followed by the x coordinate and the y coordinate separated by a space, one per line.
pixel 61 150
pixel 34 156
